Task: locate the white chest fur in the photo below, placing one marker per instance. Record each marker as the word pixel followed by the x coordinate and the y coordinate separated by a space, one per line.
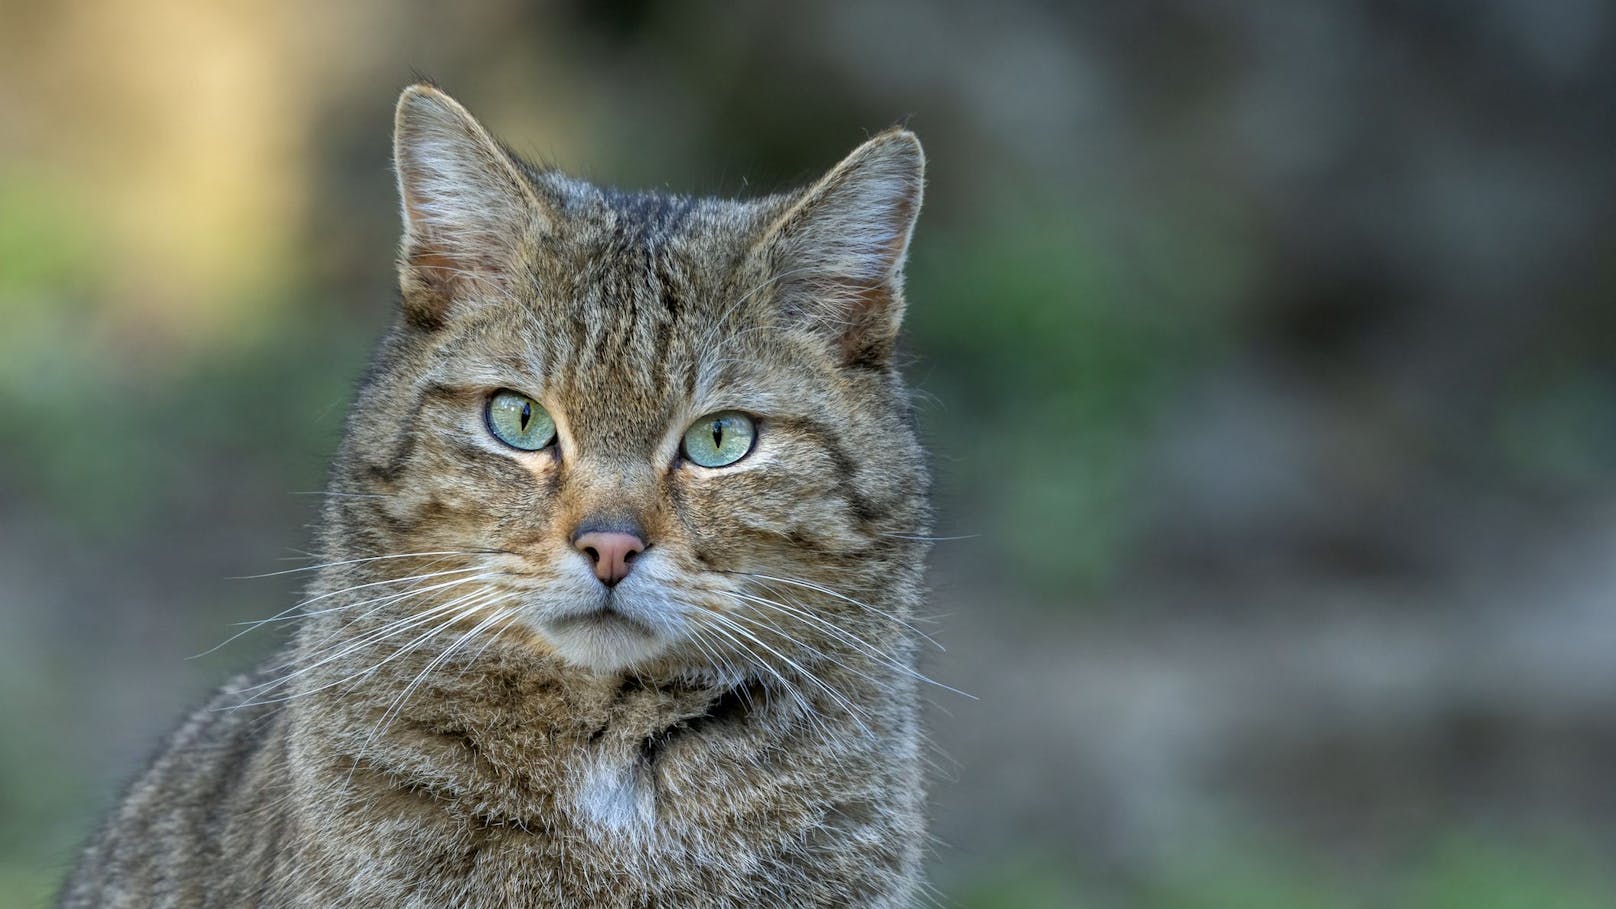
pixel 616 798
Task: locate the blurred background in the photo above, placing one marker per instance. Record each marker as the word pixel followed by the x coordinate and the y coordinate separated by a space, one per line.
pixel 1267 359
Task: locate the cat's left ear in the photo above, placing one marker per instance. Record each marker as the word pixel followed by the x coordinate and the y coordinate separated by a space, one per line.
pixel 467 206
pixel 837 253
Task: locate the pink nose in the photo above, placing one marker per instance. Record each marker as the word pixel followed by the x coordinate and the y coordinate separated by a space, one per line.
pixel 611 551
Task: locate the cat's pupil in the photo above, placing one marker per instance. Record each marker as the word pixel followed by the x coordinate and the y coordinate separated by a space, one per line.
pixel 718 433
pixel 527 415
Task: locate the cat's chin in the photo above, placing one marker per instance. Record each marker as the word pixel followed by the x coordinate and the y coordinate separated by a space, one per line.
pixel 602 642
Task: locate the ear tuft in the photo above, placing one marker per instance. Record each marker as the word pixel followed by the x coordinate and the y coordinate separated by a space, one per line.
pixel 465 205
pixel 838 253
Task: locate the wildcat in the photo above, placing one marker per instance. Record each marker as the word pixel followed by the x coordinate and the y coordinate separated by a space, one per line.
pixel 617 568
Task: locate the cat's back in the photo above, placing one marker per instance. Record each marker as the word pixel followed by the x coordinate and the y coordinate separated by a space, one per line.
pixel 201 825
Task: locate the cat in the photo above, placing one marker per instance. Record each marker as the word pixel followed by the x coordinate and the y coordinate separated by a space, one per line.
pixel 618 566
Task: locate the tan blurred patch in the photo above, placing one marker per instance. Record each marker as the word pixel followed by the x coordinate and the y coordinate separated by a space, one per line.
pixel 185 127
pixel 188 134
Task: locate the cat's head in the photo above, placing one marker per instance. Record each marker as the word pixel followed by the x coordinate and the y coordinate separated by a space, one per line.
pixel 638 429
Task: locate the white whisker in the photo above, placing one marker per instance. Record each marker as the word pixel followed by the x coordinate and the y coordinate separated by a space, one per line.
pixel 382 603
pixel 397 705
pixel 795 582
pixel 287 613
pixel 849 637
pixel 841 700
pixel 373 637
pixel 380 558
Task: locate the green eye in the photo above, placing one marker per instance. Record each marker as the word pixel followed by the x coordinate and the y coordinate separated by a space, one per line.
pixel 519 421
pixel 719 439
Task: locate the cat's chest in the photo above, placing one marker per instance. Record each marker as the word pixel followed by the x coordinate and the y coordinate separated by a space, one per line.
pixel 628 797
pixel 476 814
pixel 608 832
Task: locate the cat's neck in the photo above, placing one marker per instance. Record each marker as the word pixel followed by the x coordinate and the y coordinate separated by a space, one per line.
pixel 526 734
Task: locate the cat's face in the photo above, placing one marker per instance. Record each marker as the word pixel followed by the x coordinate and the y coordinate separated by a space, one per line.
pixel 655 431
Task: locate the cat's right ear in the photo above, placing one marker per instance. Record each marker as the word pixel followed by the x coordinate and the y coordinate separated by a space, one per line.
pixel 466 206
pixel 837 253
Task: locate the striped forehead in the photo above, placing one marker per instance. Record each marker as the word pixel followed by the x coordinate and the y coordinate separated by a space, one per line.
pixel 625 326
pixel 620 369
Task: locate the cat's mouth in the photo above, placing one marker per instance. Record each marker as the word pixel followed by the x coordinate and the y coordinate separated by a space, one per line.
pixel 607 635
pixel 605 617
